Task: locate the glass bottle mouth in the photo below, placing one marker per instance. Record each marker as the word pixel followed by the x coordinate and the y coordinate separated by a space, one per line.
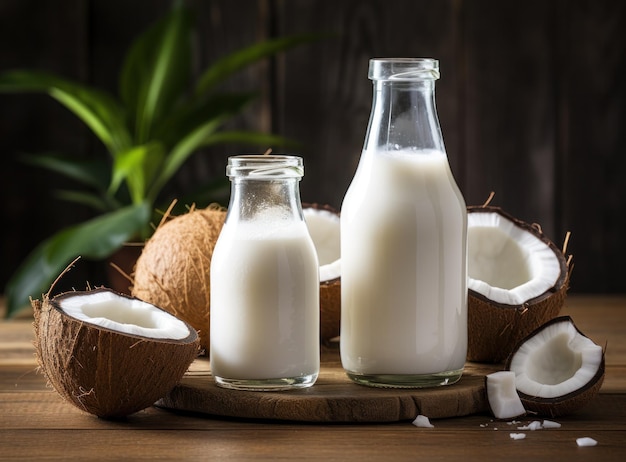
pixel 403 69
pixel 265 167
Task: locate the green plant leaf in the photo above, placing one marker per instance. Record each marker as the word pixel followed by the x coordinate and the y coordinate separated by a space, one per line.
pixel 94 174
pixel 138 166
pixel 95 108
pixel 156 71
pixel 228 65
pixel 193 127
pixel 100 204
pixel 96 239
pixel 206 135
pixel 86 172
pixel 189 117
pixel 181 152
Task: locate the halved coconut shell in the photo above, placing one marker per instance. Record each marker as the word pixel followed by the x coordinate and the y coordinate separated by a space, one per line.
pixel 518 280
pixel 558 370
pixel 323 224
pixel 110 354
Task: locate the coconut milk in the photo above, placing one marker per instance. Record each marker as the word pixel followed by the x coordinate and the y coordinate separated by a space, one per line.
pixel 403 260
pixel 264 301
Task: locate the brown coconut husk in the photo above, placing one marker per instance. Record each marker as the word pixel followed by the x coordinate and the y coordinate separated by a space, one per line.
pixel 173 270
pixel 330 309
pixel 494 328
pixel 103 372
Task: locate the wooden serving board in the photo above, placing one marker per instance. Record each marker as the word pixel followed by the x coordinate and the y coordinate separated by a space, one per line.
pixel 333 398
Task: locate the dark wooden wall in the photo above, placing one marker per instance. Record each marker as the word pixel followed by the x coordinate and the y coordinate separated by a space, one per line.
pixel 532 103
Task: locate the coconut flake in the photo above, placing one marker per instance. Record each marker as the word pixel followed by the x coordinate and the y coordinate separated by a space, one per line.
pixel 551 424
pixel 586 441
pixel 423 422
pixel 517 436
pixel 534 425
pixel 502 395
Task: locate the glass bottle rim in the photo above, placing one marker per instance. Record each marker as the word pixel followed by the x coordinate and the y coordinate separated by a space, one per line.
pixel 264 167
pixel 403 69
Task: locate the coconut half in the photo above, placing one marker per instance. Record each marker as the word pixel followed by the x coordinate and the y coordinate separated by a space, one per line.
pixel 110 354
pixel 517 280
pixel 324 227
pixel 557 368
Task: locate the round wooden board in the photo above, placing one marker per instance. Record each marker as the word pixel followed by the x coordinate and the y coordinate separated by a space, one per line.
pixel 333 398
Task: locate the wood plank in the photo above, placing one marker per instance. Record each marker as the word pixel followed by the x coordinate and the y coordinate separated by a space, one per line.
pixel 21 378
pixel 510 115
pixel 592 72
pixel 311 444
pixel 39 409
pixel 602 320
pixel 450 439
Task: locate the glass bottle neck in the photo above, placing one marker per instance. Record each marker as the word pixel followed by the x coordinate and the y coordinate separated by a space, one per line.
pixel 265 187
pixel 404 117
pixel 276 199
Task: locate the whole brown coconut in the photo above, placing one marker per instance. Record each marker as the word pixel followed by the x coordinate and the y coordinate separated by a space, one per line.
pixel 173 270
pixel 109 354
pixel 518 280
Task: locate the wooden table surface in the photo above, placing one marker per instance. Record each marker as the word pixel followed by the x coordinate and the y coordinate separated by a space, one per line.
pixel 36 424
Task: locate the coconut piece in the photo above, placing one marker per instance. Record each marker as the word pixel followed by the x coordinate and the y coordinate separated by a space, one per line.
pixel 550 424
pixel 502 395
pixel 534 425
pixel 517 280
pixel 557 368
pixel 173 270
pixel 323 225
pixel 586 442
pixel 110 354
pixel 517 436
pixel 423 422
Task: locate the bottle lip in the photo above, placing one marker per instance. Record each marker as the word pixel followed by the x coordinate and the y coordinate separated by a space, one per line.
pixel 265 167
pixel 403 69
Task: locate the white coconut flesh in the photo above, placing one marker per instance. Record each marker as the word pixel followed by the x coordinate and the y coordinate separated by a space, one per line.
pixel 126 315
pixel 506 263
pixel 502 395
pixel 556 361
pixel 324 228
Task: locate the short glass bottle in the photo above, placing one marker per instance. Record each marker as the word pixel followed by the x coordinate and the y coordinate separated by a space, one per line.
pixel 264 332
pixel 403 241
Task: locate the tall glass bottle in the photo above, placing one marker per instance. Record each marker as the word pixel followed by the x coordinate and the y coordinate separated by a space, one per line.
pixel 403 241
pixel 264 281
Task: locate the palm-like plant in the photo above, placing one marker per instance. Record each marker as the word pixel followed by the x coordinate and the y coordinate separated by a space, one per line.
pixel 159 120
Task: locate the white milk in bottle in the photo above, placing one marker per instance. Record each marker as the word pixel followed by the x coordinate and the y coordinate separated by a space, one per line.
pixel 403 243
pixel 265 289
